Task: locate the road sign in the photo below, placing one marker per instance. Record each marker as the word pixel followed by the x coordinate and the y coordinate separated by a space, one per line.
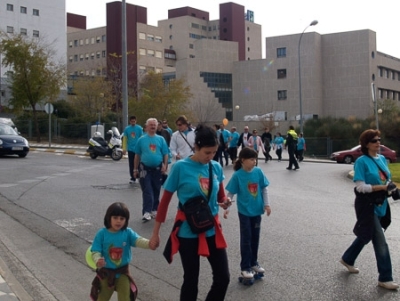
pixel 48 107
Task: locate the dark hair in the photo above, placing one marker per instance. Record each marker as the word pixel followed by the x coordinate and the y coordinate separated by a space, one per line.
pixel 132 117
pixel 291 127
pixel 366 138
pixel 245 153
pixel 116 209
pixel 182 119
pixel 205 136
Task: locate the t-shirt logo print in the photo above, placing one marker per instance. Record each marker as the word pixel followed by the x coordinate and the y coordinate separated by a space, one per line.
pixel 204 184
pixel 133 135
pixel 253 188
pixel 382 177
pixel 152 148
pixel 115 254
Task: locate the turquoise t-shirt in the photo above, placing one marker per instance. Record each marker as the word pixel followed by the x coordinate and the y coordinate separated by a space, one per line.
pixel 133 133
pixel 115 247
pixel 366 170
pixel 248 186
pixel 300 143
pixel 278 141
pixel 235 138
pixel 190 179
pixel 226 134
pixel 151 150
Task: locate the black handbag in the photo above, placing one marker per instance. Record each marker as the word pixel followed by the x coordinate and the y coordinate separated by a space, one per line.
pixel 198 213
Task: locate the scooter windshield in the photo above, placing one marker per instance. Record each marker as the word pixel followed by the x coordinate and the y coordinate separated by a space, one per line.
pixel 115 131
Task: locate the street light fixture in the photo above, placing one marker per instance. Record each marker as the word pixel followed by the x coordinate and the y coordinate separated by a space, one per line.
pixel 313 23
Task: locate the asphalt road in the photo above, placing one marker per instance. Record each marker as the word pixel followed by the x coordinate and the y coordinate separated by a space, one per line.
pixel 52 205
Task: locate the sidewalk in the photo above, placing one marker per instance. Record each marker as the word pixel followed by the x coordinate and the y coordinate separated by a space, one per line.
pixel 10 288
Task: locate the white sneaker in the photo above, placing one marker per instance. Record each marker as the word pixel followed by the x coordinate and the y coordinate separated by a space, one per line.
pixel 247 274
pixel 352 269
pixel 153 214
pixel 390 285
pixel 146 217
pixel 258 269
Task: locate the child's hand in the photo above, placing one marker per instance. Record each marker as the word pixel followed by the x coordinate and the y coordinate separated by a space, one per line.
pixel 268 210
pixel 154 242
pixel 225 204
pixel 226 212
pixel 101 262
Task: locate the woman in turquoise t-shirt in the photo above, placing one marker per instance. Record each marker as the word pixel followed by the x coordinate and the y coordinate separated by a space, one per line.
pixel 190 178
pixel 371 175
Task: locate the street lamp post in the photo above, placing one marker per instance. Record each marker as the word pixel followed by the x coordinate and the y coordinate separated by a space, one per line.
pixel 313 23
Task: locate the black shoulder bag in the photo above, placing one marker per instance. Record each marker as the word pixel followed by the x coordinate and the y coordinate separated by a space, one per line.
pixel 198 213
pixel 183 136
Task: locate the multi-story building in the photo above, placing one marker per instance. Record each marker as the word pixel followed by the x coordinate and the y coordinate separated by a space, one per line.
pixel 39 19
pixel 337 71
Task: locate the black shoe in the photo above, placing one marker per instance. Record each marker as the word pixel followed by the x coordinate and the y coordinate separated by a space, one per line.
pixel 288 168
pixel 226 163
pixel 296 168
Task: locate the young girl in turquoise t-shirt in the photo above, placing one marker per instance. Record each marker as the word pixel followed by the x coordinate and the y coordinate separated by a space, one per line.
pixel 250 184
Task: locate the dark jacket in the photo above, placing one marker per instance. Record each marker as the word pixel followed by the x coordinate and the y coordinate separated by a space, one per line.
pixel 365 209
pixel 240 141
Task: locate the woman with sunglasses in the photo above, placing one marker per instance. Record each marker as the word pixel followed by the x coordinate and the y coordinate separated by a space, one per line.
pixel 371 175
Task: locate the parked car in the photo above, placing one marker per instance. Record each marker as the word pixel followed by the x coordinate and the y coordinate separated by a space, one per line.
pixel 351 155
pixel 11 143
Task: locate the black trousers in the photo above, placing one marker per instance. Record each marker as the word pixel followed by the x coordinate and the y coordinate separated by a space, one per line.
pixel 190 259
pixel 131 158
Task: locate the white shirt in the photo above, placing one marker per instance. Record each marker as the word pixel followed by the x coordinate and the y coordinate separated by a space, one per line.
pixel 179 146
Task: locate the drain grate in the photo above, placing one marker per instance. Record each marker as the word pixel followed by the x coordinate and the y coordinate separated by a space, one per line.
pixel 116 186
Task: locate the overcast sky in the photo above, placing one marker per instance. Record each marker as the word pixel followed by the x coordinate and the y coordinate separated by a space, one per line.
pixel 278 17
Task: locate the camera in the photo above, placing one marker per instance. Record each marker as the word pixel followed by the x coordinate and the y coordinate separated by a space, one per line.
pixel 393 191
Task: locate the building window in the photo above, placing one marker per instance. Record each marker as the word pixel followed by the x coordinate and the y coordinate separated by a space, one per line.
pixel 97 54
pixel 92 40
pixel 10 29
pixel 92 55
pixel 282 95
pixel 81 42
pixel 170 26
pixel 150 37
pixel 191 46
pixel 159 54
pixel 150 52
pixel 81 57
pixel 194 25
pixel 103 38
pixel 158 39
pixel 87 41
pixel 98 40
pixel 75 58
pixel 23 10
pixel 142 70
pixel 75 43
pixel 142 51
pixel 103 53
pixel 281 52
pixel 204 28
pixel 87 56
pixel 71 59
pixel 380 72
pixel 23 31
pixel 70 44
pixel 192 56
pixel 142 36
pixel 10 7
pixel 35 12
pixel 170 37
pixel 281 73
pixel 158 70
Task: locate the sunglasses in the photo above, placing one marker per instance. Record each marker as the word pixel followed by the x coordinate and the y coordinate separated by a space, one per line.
pixel 375 140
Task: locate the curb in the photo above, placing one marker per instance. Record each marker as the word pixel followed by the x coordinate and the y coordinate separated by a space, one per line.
pixel 13 283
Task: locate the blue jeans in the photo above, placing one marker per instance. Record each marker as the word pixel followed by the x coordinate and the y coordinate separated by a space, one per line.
pixel 218 259
pixel 381 249
pixel 249 240
pixel 151 187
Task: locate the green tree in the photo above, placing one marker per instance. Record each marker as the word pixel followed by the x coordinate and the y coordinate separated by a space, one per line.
pixel 160 99
pixel 35 77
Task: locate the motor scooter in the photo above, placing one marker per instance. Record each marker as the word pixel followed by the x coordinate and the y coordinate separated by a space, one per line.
pixel 98 146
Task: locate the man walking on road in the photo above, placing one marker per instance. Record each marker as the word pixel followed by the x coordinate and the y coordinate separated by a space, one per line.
pixel 151 163
pixel 182 141
pixel 131 134
pixel 291 144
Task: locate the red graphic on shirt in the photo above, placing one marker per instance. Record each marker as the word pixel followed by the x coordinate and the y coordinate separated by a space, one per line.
pixel 153 148
pixel 204 184
pixel 115 255
pixel 382 177
pixel 133 135
pixel 253 188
